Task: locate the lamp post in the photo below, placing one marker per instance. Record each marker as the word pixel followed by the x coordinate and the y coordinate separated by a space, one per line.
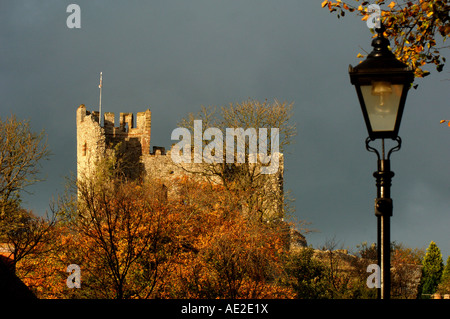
pixel 382 83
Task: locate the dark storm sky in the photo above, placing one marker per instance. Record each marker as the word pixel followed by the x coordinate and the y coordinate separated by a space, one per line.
pixel 174 56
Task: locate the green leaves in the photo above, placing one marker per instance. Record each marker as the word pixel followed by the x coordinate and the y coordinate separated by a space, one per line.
pixel 433 267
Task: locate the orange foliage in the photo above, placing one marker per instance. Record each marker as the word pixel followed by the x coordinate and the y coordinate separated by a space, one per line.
pixel 224 254
pixel 132 240
pixel 414 26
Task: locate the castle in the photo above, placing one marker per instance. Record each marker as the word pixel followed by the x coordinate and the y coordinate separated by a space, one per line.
pixel 95 142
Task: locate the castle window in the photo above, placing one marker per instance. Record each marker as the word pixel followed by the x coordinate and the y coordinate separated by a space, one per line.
pixel 83 150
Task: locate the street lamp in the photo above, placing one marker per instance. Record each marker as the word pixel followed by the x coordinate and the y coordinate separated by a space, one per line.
pixel 382 83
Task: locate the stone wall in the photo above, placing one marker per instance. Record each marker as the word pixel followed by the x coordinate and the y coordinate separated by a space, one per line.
pixel 133 141
pixel 91 141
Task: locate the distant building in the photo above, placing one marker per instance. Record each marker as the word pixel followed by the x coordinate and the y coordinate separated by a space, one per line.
pixel 95 142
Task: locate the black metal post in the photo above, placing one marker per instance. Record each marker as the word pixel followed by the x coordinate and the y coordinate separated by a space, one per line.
pixel 383 211
pixel 381 65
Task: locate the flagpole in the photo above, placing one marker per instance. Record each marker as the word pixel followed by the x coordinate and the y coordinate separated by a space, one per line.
pixel 100 101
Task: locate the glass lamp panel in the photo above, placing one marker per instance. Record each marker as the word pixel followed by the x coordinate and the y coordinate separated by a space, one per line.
pixel 382 100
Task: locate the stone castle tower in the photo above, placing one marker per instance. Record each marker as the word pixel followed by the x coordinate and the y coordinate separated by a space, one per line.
pixel 95 142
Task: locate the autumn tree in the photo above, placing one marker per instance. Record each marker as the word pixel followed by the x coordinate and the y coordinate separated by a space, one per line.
pixel 21 151
pixel 330 273
pixel 43 270
pixel 136 239
pixel 431 271
pixel 133 239
pixel 257 126
pixel 405 267
pixel 26 232
pixel 118 224
pixel 406 271
pixel 444 285
pixel 346 274
pixel 417 28
pixel 307 275
pixel 224 253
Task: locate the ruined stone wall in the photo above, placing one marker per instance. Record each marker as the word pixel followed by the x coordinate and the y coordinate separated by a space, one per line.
pixel 94 141
pixel 91 141
pixel 133 142
pixel 136 138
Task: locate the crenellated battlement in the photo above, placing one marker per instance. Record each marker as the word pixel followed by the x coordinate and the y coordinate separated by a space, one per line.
pixel 127 128
pixel 126 123
pixel 94 140
pixel 126 120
